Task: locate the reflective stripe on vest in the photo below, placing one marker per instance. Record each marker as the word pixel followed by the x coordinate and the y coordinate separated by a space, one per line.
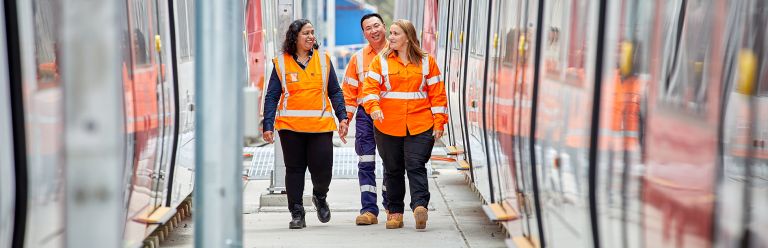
pixel 403 95
pixel 303 113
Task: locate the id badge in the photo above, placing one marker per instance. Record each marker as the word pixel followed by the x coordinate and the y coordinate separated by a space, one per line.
pixel 293 77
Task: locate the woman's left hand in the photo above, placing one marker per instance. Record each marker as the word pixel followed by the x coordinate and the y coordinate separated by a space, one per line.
pixel 343 128
pixel 437 134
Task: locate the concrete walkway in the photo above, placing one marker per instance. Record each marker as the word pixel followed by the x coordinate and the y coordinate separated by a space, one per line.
pixel 456 219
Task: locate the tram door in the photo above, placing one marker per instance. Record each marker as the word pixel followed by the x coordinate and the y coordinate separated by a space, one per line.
pixel 518 64
pixel 146 103
pixel 476 103
pixel 454 81
pixel 165 96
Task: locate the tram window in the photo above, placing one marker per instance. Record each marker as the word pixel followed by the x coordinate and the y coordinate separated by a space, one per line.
pixel 46 47
pixel 479 28
pixel 577 49
pixel 457 26
pixel 183 43
pixel 638 17
pixel 686 54
pixel 141 32
pixel 509 38
pixel 191 26
pixel 443 13
pixel 555 37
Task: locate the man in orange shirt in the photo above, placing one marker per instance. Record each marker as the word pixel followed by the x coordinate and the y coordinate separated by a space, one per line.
pixel 374 31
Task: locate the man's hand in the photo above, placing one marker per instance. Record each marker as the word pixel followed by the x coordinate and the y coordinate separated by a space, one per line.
pixel 268 136
pixel 343 128
pixel 378 115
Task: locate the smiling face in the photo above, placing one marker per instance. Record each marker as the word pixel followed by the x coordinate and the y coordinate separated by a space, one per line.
pixel 306 39
pixel 398 41
pixel 374 30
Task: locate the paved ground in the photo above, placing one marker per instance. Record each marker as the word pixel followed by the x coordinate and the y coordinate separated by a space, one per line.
pixel 455 220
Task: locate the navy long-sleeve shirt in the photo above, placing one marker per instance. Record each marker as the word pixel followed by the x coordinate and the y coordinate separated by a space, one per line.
pixel 275 89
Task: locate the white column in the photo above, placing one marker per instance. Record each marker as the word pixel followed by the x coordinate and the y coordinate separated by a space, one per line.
pixel 331 26
pixel 94 127
pixel 220 76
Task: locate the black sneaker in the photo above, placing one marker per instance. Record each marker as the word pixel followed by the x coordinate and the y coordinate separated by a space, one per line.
pixel 323 211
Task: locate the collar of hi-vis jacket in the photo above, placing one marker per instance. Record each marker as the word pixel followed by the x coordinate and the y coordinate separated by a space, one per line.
pixel 421 94
pixel 286 94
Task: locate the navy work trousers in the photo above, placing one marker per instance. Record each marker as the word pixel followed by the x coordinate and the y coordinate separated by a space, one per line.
pixel 365 147
pixel 302 151
pixel 405 154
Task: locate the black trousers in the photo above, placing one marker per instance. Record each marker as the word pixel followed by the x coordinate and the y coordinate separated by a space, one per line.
pixel 401 154
pixel 302 151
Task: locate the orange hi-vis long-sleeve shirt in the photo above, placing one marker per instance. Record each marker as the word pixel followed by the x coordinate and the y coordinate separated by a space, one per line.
pixel 354 76
pixel 411 97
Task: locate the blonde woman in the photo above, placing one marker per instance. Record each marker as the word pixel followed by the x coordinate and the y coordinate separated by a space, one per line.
pixel 405 95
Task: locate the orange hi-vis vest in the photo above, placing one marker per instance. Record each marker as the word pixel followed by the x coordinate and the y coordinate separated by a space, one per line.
pixel 354 77
pixel 304 105
pixel 411 97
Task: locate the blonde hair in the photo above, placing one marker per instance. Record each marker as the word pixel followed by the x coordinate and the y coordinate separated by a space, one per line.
pixel 415 53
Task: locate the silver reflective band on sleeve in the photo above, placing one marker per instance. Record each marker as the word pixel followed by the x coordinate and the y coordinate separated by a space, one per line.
pixel 374 76
pixel 438 110
pixel 351 109
pixel 403 95
pixel 433 80
pixel 366 158
pixel 370 97
pixel 351 81
pixel 303 113
pixel 368 188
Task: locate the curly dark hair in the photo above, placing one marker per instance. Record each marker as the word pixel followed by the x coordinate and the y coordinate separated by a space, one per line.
pixel 292 36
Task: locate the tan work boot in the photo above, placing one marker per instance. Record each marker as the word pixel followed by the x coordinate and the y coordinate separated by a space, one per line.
pixel 420 215
pixel 366 218
pixel 394 220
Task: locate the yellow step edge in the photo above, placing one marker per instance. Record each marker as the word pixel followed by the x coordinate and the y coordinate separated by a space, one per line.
pixel 499 213
pixel 159 216
pixel 462 165
pixel 452 150
pixel 509 210
pixel 522 242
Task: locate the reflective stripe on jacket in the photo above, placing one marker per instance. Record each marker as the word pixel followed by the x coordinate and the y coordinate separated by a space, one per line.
pixel 410 96
pixel 304 105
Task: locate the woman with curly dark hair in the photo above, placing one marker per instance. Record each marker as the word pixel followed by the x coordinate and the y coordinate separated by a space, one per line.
pixel 301 91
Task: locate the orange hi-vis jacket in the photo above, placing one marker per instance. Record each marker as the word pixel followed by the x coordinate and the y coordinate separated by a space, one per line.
pixel 410 96
pixel 304 105
pixel 354 78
